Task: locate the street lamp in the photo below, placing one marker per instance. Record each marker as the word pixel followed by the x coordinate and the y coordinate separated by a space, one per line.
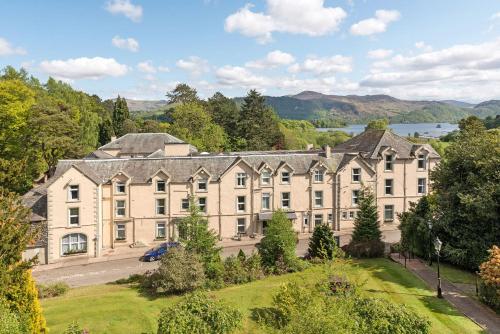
pixel 437 245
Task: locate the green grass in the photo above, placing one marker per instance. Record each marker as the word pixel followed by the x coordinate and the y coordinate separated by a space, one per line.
pixel 454 274
pixel 121 309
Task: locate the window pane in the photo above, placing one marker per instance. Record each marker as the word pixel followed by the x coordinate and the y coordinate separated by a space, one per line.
pixel 160 186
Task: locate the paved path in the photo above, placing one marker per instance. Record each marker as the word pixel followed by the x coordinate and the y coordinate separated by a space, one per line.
pixel 109 271
pixel 473 309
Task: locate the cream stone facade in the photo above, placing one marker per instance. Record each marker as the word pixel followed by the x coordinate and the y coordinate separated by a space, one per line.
pixel 124 194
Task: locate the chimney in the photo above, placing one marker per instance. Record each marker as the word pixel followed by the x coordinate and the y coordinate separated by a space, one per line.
pixel 328 151
pixel 113 138
pixel 309 147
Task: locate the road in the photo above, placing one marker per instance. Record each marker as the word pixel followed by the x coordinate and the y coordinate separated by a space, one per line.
pixel 110 271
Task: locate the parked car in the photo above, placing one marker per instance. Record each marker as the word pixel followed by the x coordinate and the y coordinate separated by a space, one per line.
pixel 154 253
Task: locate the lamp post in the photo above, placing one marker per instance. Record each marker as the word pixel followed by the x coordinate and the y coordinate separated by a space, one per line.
pixel 437 245
pixel 429 223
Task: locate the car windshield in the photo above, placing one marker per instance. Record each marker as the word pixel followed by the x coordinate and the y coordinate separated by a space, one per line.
pixel 158 247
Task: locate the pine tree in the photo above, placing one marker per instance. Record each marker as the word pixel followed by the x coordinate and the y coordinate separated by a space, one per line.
pixel 106 131
pixel 366 225
pixel 120 114
pixel 322 244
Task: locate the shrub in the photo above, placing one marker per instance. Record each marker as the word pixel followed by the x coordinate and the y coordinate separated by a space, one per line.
pixel 322 244
pixel 52 290
pixel 363 249
pixel 489 295
pixel 489 289
pixel 9 321
pixel 74 328
pixel 277 248
pixel 134 278
pixel 197 313
pixel 179 271
pixel 239 269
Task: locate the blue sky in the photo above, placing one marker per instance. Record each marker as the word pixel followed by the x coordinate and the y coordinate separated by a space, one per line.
pixel 141 49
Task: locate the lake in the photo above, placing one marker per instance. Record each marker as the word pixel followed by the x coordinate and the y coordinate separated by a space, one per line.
pixel 424 129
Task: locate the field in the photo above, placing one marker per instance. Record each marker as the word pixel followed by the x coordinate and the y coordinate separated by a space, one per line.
pixel 122 309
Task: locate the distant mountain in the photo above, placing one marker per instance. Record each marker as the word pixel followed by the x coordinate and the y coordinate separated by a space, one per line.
pixel 311 105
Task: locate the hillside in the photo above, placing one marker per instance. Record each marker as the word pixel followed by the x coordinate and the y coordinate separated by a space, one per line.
pixel 309 105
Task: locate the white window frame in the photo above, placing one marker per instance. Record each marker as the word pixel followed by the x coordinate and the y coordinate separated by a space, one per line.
pixel 422 158
pixel 329 218
pixel 352 215
pixel 118 185
pixel 203 182
pixel 285 179
pixel 241 180
pixel 268 197
pixel 344 215
pixel 265 177
pixel 389 187
pixel 356 175
pixel 158 228
pixel 319 176
pixel 241 206
pixel 81 243
pixel 204 205
pixel 422 187
pixel 184 200
pixel 158 182
pixel 118 229
pixel 70 215
pixel 389 161
pixel 318 219
pixel 71 189
pixel 289 200
pixel 158 206
pixel 355 197
pixel 388 207
pixel 238 225
pixel 117 208
pixel 318 200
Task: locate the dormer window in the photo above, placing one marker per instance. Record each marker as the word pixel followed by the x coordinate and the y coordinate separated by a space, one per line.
pixel 389 161
pixel 120 188
pixel 202 185
pixel 241 180
pixel 421 161
pixel 160 186
pixel 285 177
pixel 74 192
pixel 265 177
pixel 319 175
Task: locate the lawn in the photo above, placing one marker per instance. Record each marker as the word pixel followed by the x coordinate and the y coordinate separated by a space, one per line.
pixel 454 274
pixel 121 309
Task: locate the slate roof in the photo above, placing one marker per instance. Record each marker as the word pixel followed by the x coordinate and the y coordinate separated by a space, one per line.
pixel 371 142
pixel 137 143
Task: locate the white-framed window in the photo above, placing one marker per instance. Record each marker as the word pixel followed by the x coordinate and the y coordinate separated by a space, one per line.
pixel 352 214
pixel 388 212
pixel 421 161
pixel 330 218
pixel 74 192
pixel 318 199
pixel 241 180
pixel 319 175
pixel 161 230
pixel 389 183
pixel 318 219
pixel 121 232
pixel 202 204
pixel 355 197
pixel 240 203
pixel 285 177
pixel 185 204
pixel 160 206
pixel 241 225
pixel 389 161
pixel 73 243
pixel 266 201
pixel 356 175
pixel 421 186
pixel 120 188
pixel 344 215
pixel 120 208
pixel 160 186
pixel 202 184
pixel 265 177
pixel 285 200
pixel 306 219
pixel 74 216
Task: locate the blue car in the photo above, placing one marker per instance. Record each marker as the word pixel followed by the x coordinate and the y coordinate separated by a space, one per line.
pixel 154 253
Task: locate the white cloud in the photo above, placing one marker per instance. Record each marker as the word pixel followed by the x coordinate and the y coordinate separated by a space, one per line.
pixel 239 76
pixel 130 44
pixel 273 59
pixel 495 16
pixel 194 65
pixel 125 7
pixel 309 17
pixel 377 24
pixel 422 46
pixel 462 72
pixel 379 53
pixel 163 69
pixel 146 67
pixel 323 66
pixel 6 49
pixel 83 68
